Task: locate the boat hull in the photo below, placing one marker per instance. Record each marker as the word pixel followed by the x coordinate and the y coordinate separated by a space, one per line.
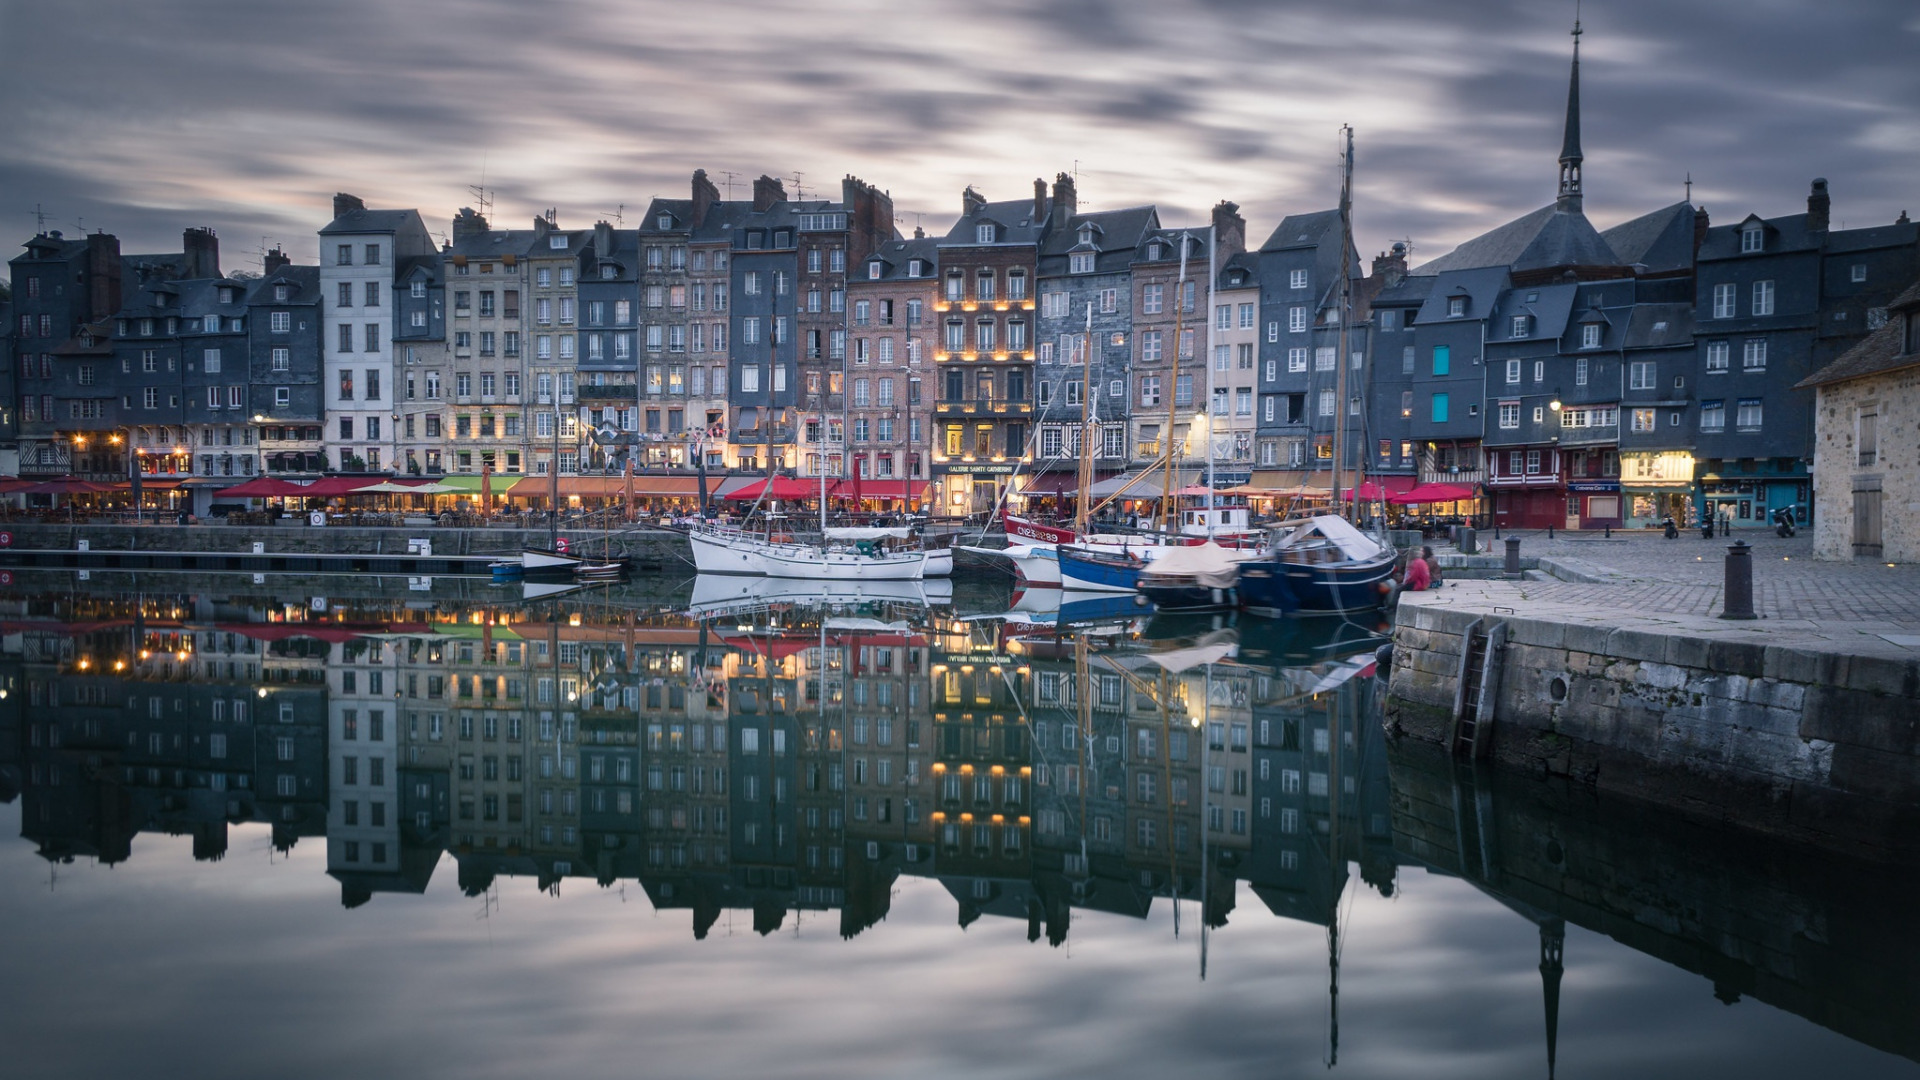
pixel 536 560
pixel 1272 586
pixel 1097 571
pixel 739 553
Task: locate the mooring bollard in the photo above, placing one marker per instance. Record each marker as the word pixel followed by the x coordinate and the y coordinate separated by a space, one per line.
pixel 1549 532
pixel 1464 538
pixel 1609 531
pixel 1739 586
pixel 1513 556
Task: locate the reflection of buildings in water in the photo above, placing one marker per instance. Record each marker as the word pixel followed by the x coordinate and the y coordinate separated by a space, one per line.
pixel 807 768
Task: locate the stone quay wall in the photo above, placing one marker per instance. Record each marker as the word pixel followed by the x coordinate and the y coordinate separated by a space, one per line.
pixel 648 547
pixel 1787 735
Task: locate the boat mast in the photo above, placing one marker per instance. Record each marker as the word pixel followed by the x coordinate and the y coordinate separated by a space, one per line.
pixel 1213 273
pixel 553 489
pixel 1173 397
pixel 1340 361
pixel 1089 424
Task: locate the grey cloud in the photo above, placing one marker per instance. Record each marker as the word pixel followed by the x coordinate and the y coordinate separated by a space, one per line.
pixel 246 116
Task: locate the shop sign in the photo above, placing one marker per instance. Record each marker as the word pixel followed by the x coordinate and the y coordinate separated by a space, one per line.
pixel 1601 487
pixel 963 469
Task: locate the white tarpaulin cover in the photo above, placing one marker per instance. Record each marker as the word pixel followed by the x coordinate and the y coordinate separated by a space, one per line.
pixel 1352 543
pixel 868 533
pixel 1209 564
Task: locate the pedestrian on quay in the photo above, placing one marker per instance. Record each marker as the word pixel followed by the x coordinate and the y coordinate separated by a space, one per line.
pixel 1433 568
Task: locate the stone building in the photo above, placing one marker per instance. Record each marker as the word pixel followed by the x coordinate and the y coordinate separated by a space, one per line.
pixel 1866 480
pixel 553 268
pixel 1170 353
pixel 1234 344
pixel 830 236
pixel 286 346
pixel 984 355
pixel 486 271
pixel 359 251
pixel 891 297
pixel 1086 318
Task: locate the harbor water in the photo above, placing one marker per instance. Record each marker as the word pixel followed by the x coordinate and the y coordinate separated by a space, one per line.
pixel 733 827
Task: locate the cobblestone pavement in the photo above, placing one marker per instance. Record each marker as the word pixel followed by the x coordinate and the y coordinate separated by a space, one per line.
pixel 1685 576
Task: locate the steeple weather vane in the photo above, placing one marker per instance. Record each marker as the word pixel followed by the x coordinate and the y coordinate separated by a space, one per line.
pixel 1570 156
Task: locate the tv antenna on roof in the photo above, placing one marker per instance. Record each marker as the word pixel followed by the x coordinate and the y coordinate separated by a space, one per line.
pixel 799 193
pixel 620 215
pixel 729 174
pixel 1689 185
pixel 482 197
pixel 39 218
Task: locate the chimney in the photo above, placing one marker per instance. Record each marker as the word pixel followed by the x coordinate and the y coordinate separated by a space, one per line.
pixel 468 225
pixel 705 195
pixel 1229 229
pixel 919 233
pixel 971 202
pixel 1039 200
pixel 602 240
pixel 766 192
pixel 103 274
pixel 1391 266
pixel 541 227
pixel 202 248
pixel 869 217
pixel 275 260
pixel 1066 202
pixel 1699 228
pixel 344 203
pixel 1819 207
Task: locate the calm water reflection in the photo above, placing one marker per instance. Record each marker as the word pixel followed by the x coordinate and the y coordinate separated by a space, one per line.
pixel 721 830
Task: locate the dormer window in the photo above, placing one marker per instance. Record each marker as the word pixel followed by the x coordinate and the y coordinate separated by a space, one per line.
pixel 211 324
pixel 1456 306
pixel 557 242
pixel 1521 325
pixel 1156 252
pixel 1080 262
pixel 608 272
pixel 664 221
pixel 226 296
pixel 1086 234
pixel 873 270
pixel 1752 239
pixel 280 293
pixel 983 234
pixel 917 268
pixel 1590 336
pixel 419 290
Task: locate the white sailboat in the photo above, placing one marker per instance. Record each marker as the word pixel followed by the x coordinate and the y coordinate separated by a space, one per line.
pixel 872 553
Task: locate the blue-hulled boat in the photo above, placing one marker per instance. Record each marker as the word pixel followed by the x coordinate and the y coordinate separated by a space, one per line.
pixel 1321 564
pixel 1098 571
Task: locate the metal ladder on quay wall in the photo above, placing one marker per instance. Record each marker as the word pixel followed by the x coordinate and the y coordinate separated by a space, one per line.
pixel 1477 689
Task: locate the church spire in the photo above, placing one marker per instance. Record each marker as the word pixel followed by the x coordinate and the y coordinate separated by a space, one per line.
pixel 1570 156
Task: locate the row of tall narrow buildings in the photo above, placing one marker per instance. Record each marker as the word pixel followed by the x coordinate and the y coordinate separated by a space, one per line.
pixel 1571 375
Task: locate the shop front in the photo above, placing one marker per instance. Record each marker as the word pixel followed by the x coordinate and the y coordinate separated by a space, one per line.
pixel 965 489
pixel 1595 504
pixel 1655 486
pixel 1750 503
pixel 1525 489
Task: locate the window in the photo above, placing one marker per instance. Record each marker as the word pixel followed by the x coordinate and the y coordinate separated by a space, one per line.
pixel 1521 324
pixel 1513 372
pixel 1752 238
pixel 1296 320
pixel 1640 375
pixel 1456 306
pixel 1326 402
pixel 1717 353
pixel 1109 301
pixel 1439 408
pixel 1713 416
pixel 1080 262
pixel 1443 360
pixel 1723 301
pixel 1644 420
pixel 1867 438
pixel 1763 298
pixel 1580 372
pixel 1749 416
pixel 1509 414
pixel 1753 355
pixel 1858 273
pixel 1296 279
pixel 1590 336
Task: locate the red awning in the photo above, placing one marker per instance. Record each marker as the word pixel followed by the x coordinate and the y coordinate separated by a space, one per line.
pixel 1382 487
pixel 774 648
pixel 341 485
pixel 880 489
pixel 66 485
pixel 780 487
pixel 263 487
pixel 11 484
pixel 1433 493
pixel 1051 483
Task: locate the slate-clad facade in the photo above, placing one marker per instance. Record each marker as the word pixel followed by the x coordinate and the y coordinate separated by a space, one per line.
pixel 762 385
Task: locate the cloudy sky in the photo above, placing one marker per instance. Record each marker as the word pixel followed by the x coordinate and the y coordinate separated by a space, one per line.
pixel 246 115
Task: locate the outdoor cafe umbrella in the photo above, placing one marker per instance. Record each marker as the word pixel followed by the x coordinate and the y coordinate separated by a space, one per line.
pixel 778 487
pixel 68 486
pixel 486 486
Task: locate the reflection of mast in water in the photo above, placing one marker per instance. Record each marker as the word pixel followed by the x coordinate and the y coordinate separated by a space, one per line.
pixel 1336 741
pixel 1553 936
